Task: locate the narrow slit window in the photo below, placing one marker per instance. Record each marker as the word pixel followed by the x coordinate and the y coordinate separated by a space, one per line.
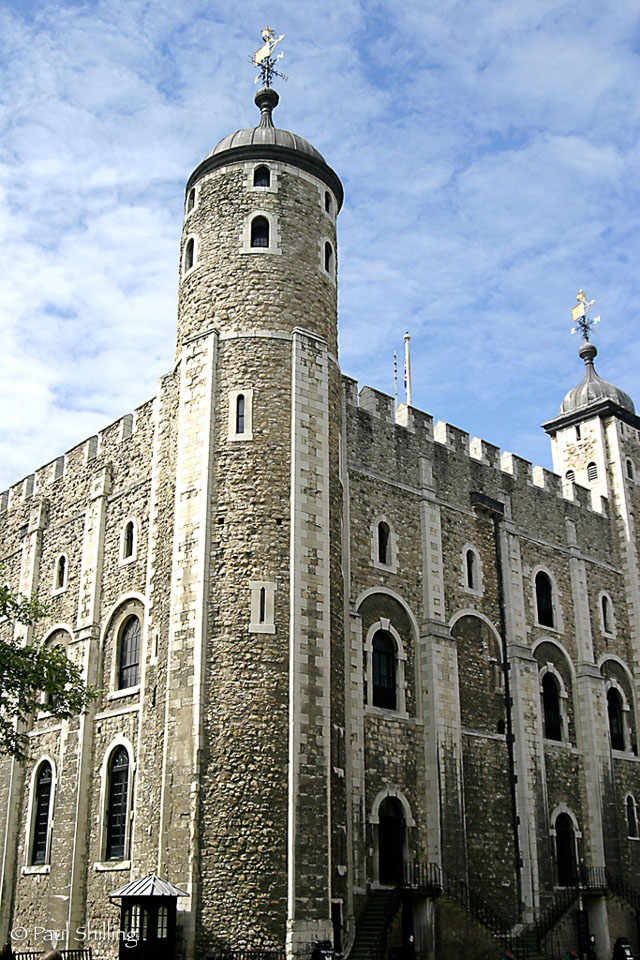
pixel 263 604
pixel 551 708
pixel 616 724
pixel 116 813
pixel 327 201
pixel 259 232
pixel 191 202
pixel 328 258
pixel 383 543
pixel 578 433
pixel 189 254
pixel 240 408
pixel 592 472
pixel 262 177
pixel 470 566
pixel 61 573
pixel 630 469
pixel 127 546
pixel 606 615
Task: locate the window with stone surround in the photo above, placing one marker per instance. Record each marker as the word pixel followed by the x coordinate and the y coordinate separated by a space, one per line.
pixel 552 715
pixel 592 472
pixel 60 574
pixel 383 545
pixel 262 606
pixel 191 200
pixel 616 719
pixel 630 470
pixel 471 570
pixel 607 618
pixel 544 600
pixel 59 640
pixel 190 256
pixel 262 176
pixel 632 817
pixel 259 232
pixel 384 665
pixel 129 653
pixel 128 542
pixel 116 813
pixel 240 425
pixel 41 809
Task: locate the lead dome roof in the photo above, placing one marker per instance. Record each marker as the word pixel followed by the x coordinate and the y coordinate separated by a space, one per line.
pixel 268 142
pixel 592 388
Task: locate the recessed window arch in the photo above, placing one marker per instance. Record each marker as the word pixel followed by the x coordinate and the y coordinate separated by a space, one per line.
pixel 544 600
pixel 632 816
pixel 592 471
pixel 191 200
pixel 328 258
pixel 260 232
pixel 128 541
pixel 630 470
pixel 117 776
pixel 59 639
pixel 42 790
pixel 60 573
pixel 328 203
pixel 615 713
pixel 383 545
pixel 129 643
pixel 189 255
pixel 262 176
pixel 385 667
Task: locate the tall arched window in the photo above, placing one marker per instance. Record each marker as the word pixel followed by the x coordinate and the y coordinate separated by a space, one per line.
pixel 116 812
pixel 41 814
pixel 592 472
pixel 240 413
pixel 565 850
pixel 259 232
pixel 616 720
pixel 630 469
pixel 551 708
pixel 328 258
pixel 129 654
pixel 189 254
pixel 384 546
pixel 262 177
pixel 384 670
pixel 632 817
pixel 544 599
pixel 127 542
pixel 327 201
pixel 191 202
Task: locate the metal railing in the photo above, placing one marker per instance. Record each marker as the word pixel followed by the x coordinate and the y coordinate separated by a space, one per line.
pixel 254 953
pixel 84 953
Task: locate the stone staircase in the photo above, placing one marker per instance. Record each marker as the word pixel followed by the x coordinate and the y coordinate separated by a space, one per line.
pixel 373 925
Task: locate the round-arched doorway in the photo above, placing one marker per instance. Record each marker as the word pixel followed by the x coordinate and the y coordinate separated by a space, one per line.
pixel 391 827
pixel 565 851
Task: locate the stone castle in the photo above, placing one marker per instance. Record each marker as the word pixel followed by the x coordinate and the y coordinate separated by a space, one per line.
pixel 363 680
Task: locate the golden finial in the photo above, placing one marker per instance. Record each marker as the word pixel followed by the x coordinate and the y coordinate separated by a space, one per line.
pixel 580 316
pixel 263 58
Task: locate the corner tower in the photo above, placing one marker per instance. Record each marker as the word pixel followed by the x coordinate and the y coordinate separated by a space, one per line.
pixel 256 633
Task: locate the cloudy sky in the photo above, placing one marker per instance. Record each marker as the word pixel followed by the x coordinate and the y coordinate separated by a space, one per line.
pixel 489 151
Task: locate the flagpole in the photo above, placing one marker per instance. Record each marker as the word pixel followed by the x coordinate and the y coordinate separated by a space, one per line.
pixel 407 368
pixel 395 378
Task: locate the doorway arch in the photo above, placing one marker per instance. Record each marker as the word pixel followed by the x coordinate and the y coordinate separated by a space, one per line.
pixel 566 860
pixel 391 831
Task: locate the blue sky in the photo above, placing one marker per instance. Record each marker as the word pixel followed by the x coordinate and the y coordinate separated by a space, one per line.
pixel 489 153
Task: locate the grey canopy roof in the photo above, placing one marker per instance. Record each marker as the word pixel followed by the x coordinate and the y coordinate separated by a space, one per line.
pixel 592 388
pixel 149 886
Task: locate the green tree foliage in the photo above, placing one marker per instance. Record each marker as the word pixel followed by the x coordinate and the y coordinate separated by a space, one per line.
pixel 28 672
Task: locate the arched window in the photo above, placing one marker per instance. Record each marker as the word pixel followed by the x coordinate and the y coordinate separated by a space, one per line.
pixel 57 642
pixel 41 814
pixel 259 232
pixel 565 850
pixel 191 202
pixel 607 618
pixel 592 472
pixel 328 258
pixel 240 413
pixel 544 599
pixel 570 476
pixel 129 654
pixel 384 671
pixel 616 720
pixel 127 540
pixel 327 201
pixel 117 797
pixel 384 544
pixel 189 254
pixel 551 708
pixel 60 579
pixel 261 177
pixel 630 469
pixel 470 569
pixel 632 818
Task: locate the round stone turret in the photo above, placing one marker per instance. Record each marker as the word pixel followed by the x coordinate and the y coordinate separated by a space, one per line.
pixel 259 245
pixel 592 388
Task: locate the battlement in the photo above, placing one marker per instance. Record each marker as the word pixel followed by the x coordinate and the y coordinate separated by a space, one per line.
pixel 381 406
pixel 72 463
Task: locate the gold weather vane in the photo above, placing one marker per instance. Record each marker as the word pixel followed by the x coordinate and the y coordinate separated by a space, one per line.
pixel 580 316
pixel 264 60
